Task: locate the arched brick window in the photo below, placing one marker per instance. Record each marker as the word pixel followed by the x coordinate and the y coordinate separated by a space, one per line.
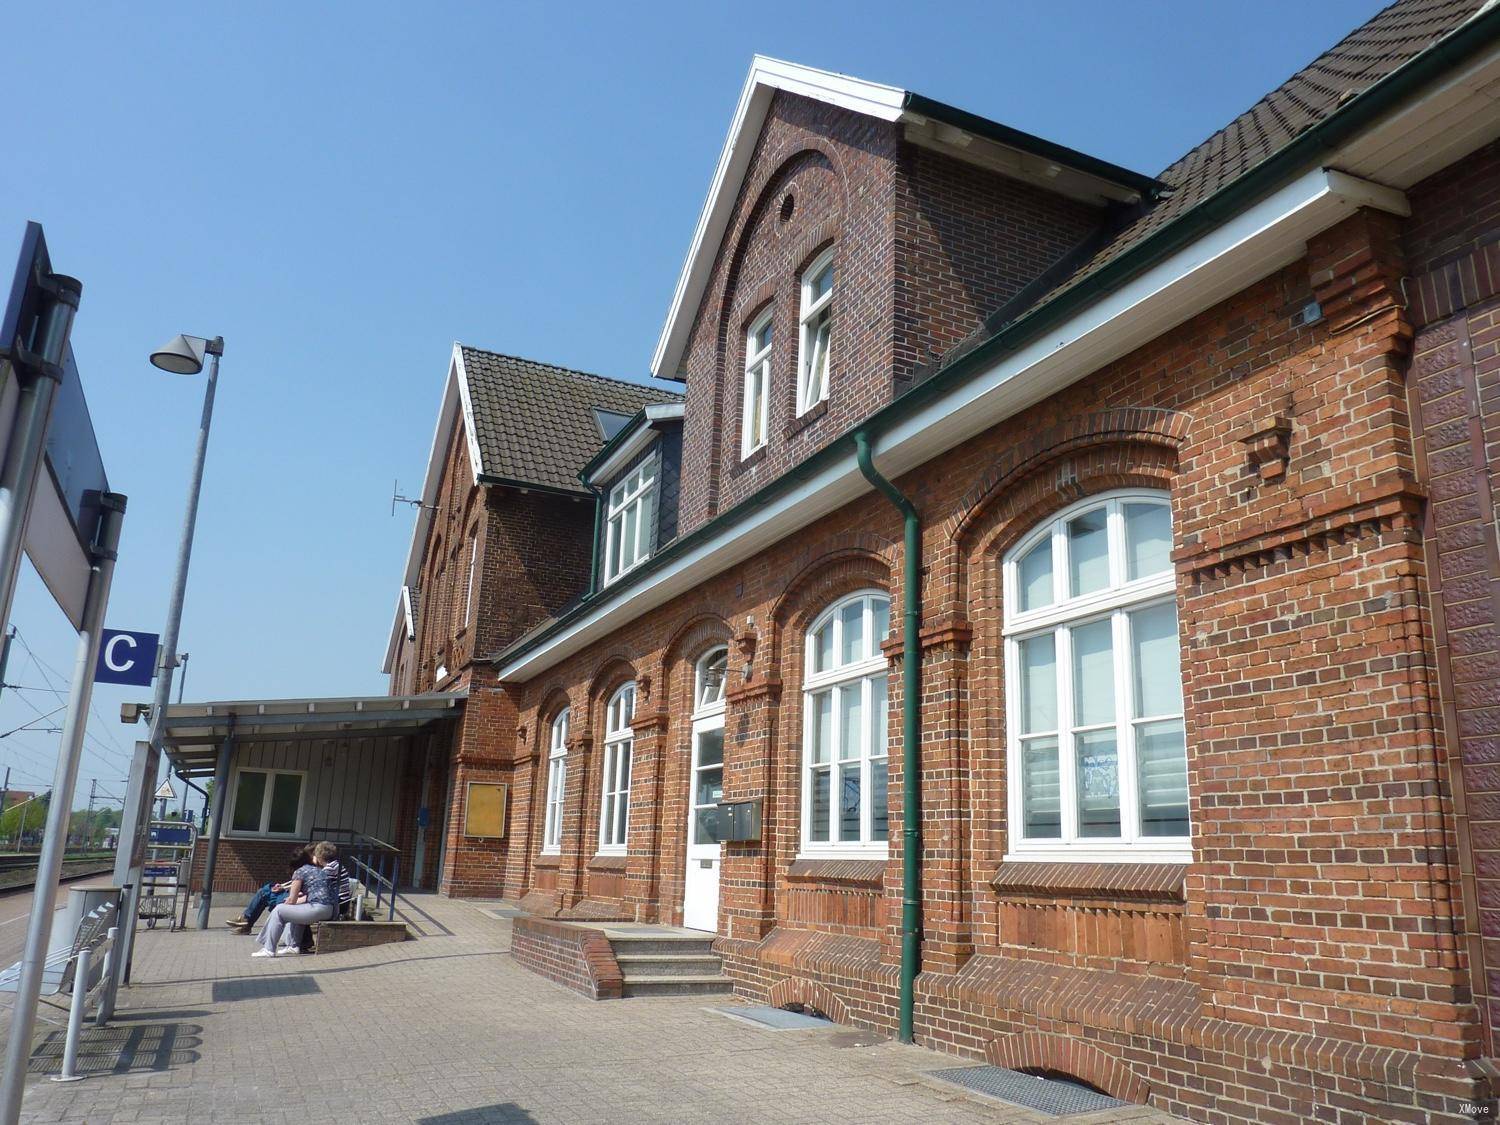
pixel 1098 761
pixel 614 805
pixel 844 775
pixel 557 782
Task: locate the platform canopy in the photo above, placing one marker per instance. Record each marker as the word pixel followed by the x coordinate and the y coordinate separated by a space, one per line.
pixel 193 732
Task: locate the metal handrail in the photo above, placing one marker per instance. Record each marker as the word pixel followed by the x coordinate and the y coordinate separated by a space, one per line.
pixel 377 864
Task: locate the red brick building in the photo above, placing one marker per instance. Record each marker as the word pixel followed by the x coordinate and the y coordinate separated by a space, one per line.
pixel 1195 476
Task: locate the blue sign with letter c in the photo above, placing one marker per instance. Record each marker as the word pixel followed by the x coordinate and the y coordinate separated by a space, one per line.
pixel 126 658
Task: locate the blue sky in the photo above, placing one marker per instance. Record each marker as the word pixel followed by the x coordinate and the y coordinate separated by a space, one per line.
pixel 343 190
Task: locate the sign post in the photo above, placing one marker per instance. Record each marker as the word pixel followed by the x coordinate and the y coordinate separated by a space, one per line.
pixel 49 864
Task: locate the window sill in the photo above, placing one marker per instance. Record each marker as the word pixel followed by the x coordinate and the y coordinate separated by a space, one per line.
pixel 239 834
pixel 549 859
pixel 802 421
pixel 608 861
pixel 853 872
pixel 613 578
pixel 1137 879
pixel 753 457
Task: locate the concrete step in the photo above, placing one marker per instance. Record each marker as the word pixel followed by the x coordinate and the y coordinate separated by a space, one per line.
pixel 662 944
pixel 677 986
pixel 634 965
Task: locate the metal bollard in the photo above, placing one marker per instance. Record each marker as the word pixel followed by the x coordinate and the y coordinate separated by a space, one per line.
pixel 75 1018
pixel 106 981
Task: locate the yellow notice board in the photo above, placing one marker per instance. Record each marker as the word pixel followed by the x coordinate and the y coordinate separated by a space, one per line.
pixel 484 810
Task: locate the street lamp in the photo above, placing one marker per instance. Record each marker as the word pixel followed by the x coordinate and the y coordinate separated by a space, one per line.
pixel 182 355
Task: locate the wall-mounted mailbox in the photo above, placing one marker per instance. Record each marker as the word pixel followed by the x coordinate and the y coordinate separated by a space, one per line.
pixel 740 820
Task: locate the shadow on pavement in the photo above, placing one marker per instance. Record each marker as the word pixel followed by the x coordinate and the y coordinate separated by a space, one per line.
pixel 501 1113
pixel 260 988
pixel 123 1049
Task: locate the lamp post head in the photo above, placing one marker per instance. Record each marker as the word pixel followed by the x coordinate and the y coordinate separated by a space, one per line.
pixel 182 356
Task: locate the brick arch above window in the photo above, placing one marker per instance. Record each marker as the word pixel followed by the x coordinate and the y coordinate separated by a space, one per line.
pixel 694 637
pixel 1150 426
pixel 614 670
pixel 864 563
pixel 792 254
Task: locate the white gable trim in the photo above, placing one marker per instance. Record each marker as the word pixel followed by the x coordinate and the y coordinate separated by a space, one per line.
pixel 456 404
pixel 765 78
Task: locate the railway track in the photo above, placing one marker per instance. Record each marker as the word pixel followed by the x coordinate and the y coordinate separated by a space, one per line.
pixel 17 872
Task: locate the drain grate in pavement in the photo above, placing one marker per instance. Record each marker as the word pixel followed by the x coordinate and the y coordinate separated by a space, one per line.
pixel 1056 1096
pixel 778 1018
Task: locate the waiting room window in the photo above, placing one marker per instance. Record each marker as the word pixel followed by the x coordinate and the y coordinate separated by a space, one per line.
pixel 267 802
pixel 844 729
pixel 816 321
pixel 632 521
pixel 614 811
pixel 1098 760
pixel 557 782
pixel 756 413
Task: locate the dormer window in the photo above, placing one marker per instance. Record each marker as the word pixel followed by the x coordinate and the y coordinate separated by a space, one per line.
pixel 816 320
pixel 632 521
pixel 755 416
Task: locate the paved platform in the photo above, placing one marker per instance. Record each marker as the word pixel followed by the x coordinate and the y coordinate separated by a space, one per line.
pixel 448 1030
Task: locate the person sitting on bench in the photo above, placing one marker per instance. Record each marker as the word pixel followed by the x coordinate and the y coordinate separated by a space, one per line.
pixel 321 902
pixel 269 895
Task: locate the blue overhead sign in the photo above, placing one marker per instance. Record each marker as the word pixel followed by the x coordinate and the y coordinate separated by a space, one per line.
pixel 126 658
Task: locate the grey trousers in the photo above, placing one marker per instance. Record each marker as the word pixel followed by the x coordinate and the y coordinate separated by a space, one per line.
pixel 295 916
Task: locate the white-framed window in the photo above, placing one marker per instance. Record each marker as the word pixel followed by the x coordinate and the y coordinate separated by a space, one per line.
pixel 267 802
pixel 614 805
pixel 1098 758
pixel 469 585
pixel 707 783
pixel 557 783
pixel 756 415
pixel 709 681
pixel 814 324
pixel 632 521
pixel 844 773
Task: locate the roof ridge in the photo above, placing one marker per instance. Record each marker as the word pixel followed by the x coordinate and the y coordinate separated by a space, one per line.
pixel 560 369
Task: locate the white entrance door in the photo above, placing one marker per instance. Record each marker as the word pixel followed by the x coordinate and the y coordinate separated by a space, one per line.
pixel 700 896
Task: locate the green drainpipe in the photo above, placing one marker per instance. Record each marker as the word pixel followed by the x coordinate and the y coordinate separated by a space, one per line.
pixel 911 757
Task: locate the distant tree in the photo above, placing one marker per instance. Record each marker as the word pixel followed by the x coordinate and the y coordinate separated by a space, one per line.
pixel 23 824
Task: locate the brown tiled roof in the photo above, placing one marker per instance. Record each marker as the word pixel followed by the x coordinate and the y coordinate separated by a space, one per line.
pixel 535 422
pixel 1367 54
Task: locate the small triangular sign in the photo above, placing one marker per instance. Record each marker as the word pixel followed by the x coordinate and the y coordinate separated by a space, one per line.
pixel 165 790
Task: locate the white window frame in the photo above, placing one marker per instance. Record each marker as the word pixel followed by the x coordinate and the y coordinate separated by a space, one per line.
pixel 469 589
pixel 557 784
pixel 864 673
pixel 756 407
pixel 713 702
pixel 614 782
pixel 709 706
pixel 808 320
pixel 1115 602
pixel 265 803
pixel 630 494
